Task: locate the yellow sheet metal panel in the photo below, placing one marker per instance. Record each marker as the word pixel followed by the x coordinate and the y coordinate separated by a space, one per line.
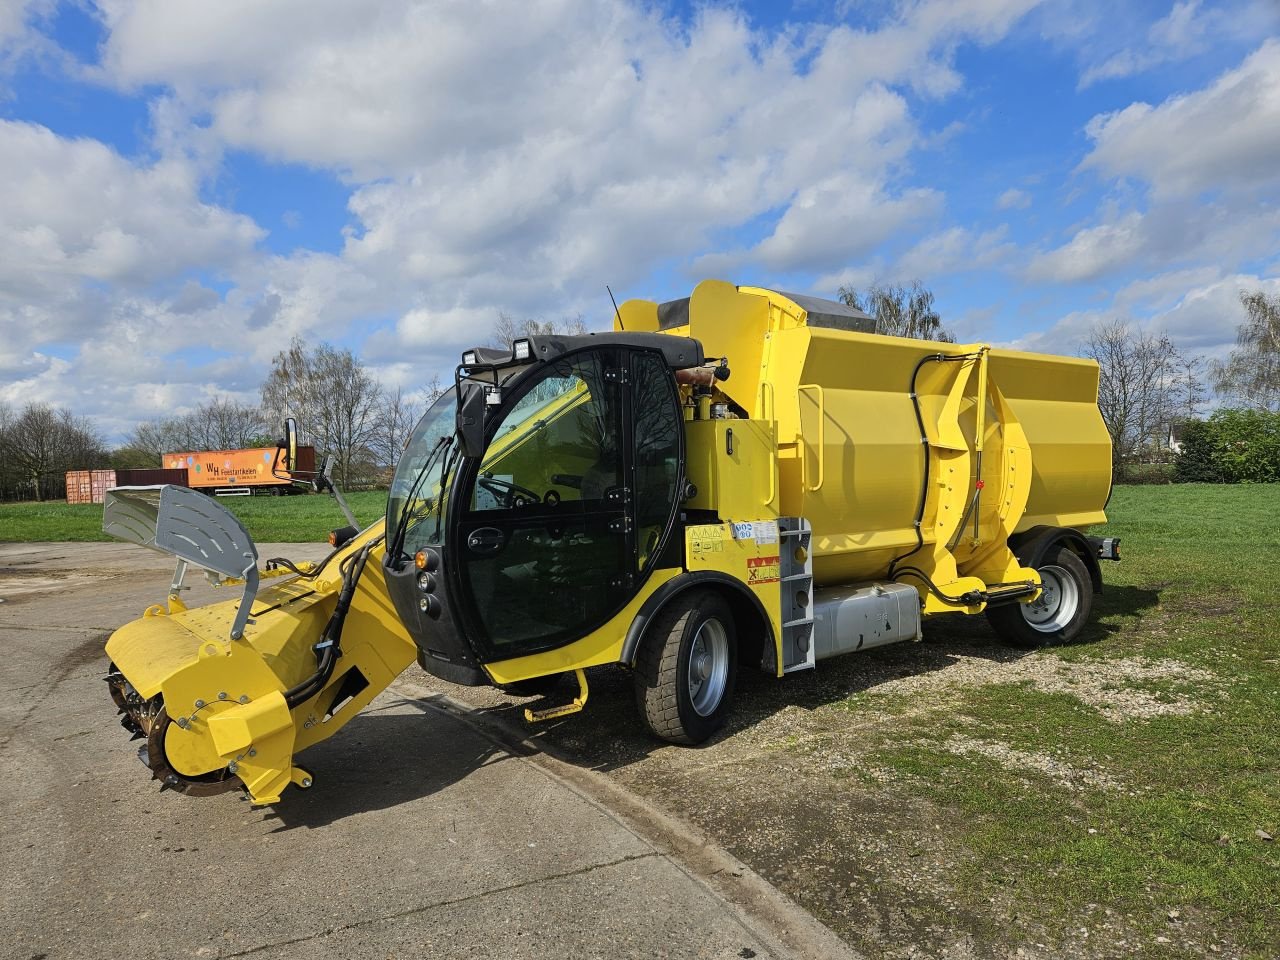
pixel 733 464
pixel 851 458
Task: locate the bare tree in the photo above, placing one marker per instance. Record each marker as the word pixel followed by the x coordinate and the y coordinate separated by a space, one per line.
pixel 39 445
pixel 1251 375
pixel 1190 386
pixel 1138 388
pixel 334 400
pixel 398 414
pixel 900 311
pixel 508 328
pixel 220 424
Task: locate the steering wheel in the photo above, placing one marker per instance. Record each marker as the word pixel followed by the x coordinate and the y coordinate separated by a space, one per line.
pixel 509 494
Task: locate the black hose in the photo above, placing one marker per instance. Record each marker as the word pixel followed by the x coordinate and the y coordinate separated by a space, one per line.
pixel 329 645
pixel 924 445
pixel 1018 588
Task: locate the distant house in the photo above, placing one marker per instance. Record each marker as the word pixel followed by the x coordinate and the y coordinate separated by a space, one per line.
pixel 1176 432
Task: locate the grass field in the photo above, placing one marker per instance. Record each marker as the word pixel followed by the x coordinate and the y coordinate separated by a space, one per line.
pixel 1165 828
pixel 297 519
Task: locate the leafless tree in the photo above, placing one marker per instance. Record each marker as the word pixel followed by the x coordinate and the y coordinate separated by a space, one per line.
pixel 220 424
pixel 1138 389
pixel 900 311
pixel 1251 375
pixel 39 445
pixel 1192 393
pixel 334 400
pixel 398 414
pixel 508 328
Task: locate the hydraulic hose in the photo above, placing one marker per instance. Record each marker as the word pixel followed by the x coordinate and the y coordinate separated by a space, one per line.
pixel 924 446
pixel 329 646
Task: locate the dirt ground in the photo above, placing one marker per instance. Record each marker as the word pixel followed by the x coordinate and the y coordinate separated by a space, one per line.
pixel 788 787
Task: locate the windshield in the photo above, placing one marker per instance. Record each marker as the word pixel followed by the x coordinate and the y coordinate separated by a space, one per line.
pixel 417 484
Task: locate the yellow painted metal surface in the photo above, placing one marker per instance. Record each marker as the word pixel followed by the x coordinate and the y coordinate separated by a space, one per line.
pixel 850 455
pixel 733 464
pixel 748 555
pixel 229 694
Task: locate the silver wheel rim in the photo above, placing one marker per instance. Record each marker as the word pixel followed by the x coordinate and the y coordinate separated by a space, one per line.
pixel 1057 604
pixel 708 668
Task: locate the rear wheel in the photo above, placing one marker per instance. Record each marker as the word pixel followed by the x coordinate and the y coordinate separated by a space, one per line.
pixel 686 668
pixel 1060 612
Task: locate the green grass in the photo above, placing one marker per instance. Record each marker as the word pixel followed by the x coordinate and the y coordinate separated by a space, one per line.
pixel 297 519
pixel 1196 586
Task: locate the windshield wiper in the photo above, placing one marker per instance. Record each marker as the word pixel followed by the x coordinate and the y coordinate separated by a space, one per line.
pixel 402 527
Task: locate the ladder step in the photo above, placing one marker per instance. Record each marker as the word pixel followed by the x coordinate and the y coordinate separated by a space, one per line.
pixel 805 621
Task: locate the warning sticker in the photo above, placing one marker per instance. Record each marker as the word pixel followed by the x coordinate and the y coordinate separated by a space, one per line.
pixel 763 570
pixel 761 531
pixel 707 538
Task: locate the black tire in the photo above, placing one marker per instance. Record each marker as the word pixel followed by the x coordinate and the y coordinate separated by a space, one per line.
pixel 1058 615
pixel 680 699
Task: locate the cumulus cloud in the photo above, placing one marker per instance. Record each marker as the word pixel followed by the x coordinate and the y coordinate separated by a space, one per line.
pixel 1013 199
pixel 76 210
pixel 1225 137
pixel 1190 28
pixel 1200 319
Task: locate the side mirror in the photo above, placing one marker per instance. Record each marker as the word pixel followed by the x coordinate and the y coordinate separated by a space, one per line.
pixel 470 420
pixel 290 443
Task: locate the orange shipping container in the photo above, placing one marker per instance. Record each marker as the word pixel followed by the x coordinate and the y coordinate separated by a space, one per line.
pixel 235 468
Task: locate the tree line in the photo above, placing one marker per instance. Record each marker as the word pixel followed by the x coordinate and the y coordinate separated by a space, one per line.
pixel 1152 398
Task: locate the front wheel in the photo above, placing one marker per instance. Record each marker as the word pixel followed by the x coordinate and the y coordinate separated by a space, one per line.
pixel 1056 616
pixel 686 668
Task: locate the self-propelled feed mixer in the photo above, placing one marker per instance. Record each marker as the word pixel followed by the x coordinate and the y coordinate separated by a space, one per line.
pixel 741 479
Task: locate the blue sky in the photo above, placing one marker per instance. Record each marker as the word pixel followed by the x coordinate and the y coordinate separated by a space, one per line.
pixel 186 186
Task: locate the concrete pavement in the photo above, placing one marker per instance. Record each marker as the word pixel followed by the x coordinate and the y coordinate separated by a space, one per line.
pixel 427 834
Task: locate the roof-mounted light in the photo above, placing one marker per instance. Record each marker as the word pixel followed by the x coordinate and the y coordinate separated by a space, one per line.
pixel 521 350
pixel 469 358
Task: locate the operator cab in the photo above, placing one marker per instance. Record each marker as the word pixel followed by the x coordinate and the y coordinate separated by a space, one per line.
pixel 536 497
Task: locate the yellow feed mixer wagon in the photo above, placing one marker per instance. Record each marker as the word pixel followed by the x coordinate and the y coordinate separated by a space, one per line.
pixel 739 479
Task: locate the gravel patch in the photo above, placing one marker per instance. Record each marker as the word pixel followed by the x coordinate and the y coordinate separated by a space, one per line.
pixel 1071 777
pixel 1109 686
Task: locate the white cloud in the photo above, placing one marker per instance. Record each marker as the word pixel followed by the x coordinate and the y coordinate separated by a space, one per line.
pixel 1225 137
pixel 1200 319
pixel 1092 252
pixel 1190 28
pixel 499 156
pixel 1013 199
pixel 18 38
pixel 74 210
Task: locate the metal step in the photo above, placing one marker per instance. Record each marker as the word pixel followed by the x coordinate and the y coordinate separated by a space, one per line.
pixel 795 551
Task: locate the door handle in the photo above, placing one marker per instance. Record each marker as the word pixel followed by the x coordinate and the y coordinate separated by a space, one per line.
pixel 485 540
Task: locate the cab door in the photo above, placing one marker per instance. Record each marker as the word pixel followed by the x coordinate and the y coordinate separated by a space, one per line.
pixel 564 516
